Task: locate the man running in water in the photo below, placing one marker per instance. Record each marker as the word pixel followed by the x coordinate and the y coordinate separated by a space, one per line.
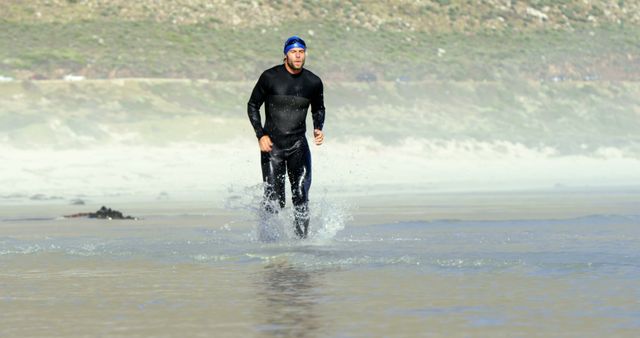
pixel 288 90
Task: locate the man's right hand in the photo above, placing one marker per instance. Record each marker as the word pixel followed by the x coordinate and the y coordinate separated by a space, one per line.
pixel 265 144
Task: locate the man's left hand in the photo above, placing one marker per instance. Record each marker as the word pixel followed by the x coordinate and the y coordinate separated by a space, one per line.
pixel 318 136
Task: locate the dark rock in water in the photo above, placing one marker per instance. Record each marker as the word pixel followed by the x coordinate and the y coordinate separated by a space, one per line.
pixel 102 213
pixel 108 213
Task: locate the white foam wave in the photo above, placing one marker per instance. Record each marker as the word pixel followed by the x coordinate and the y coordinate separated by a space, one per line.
pixel 192 168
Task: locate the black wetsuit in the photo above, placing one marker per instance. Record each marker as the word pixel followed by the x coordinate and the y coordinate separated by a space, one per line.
pixel 287 98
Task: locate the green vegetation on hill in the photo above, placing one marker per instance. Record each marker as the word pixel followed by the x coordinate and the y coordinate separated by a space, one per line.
pixel 398 15
pixel 348 40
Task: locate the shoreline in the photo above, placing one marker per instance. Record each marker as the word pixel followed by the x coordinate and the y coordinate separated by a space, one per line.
pixel 365 208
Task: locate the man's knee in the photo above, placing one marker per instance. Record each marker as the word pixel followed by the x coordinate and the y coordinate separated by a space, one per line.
pixel 300 197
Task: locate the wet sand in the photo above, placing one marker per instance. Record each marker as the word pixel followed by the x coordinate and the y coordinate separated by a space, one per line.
pixel 400 267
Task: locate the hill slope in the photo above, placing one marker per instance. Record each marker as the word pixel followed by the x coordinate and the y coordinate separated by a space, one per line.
pixel 348 40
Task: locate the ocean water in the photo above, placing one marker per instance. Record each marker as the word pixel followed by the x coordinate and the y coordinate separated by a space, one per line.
pixel 374 265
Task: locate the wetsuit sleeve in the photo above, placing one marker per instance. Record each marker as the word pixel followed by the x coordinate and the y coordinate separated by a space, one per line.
pixel 317 108
pixel 255 102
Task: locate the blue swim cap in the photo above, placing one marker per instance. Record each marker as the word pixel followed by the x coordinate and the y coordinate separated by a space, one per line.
pixel 294 42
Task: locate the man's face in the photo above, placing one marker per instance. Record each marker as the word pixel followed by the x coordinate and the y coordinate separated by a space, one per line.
pixel 295 58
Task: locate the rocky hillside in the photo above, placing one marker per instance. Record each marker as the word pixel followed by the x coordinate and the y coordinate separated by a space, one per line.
pixel 348 40
pixel 398 15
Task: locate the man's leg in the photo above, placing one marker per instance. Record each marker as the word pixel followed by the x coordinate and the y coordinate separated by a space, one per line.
pixel 299 170
pixel 273 171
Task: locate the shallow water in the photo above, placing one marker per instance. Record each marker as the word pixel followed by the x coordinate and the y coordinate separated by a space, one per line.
pixel 186 273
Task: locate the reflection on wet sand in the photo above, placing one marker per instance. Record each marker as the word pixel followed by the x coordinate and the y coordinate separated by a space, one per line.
pixel 289 296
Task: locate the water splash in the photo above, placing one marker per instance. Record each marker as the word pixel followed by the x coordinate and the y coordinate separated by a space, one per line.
pixel 327 217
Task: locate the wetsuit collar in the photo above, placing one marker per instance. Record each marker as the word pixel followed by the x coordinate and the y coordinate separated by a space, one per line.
pixel 292 75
